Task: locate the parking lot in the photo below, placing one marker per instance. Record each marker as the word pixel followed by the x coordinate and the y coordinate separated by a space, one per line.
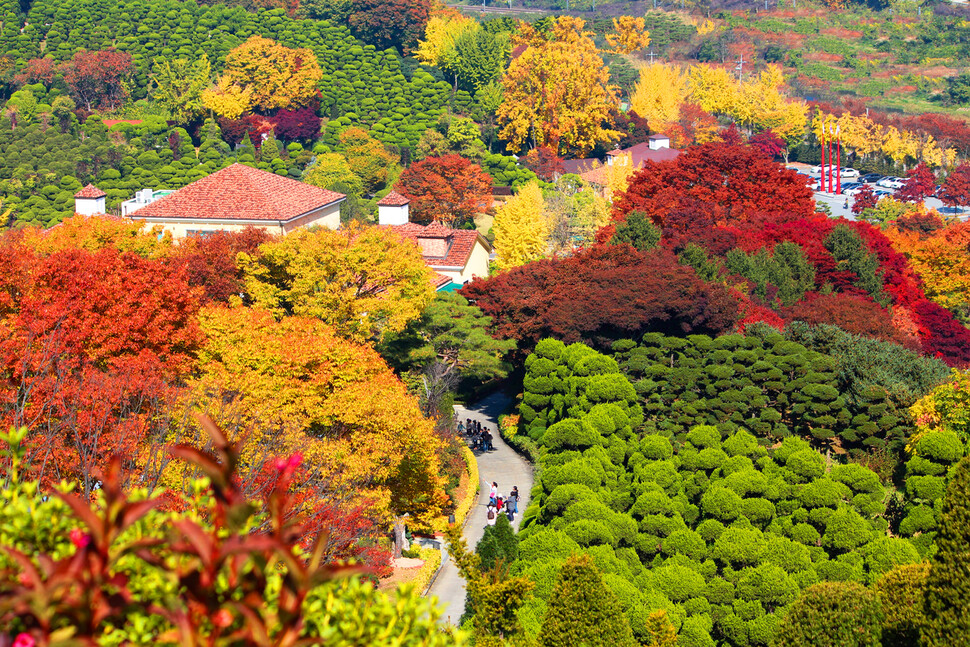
pixel 841 205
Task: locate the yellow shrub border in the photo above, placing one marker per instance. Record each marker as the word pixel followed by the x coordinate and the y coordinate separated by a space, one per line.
pixel 432 561
pixel 471 495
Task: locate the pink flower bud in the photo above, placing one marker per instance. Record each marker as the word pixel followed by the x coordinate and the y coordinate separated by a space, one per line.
pixel 24 640
pixel 222 618
pixel 79 538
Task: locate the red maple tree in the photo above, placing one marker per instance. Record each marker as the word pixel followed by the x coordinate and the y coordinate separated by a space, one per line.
pixel 97 78
pixel 864 199
pixel 768 143
pixel 955 191
pixel 856 314
pixel 210 262
pixel 544 162
pixel 734 182
pixel 91 346
pixel 602 294
pixel 389 23
pixel 920 184
pixel 37 70
pixel 450 189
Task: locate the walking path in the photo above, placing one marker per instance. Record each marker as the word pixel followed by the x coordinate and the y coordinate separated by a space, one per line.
pixel 502 465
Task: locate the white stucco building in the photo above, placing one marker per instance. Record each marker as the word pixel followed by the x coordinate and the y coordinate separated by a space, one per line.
pixel 237 197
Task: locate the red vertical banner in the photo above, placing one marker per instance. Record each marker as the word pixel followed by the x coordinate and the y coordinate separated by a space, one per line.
pixel 821 178
pixel 838 161
pixel 828 142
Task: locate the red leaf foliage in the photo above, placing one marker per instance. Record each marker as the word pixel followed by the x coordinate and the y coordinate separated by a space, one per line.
pixel 449 189
pixel 97 78
pixel 91 343
pixel 864 199
pixel 37 70
pixel 955 191
pixel 389 23
pixel 920 184
pixel 736 183
pixel 210 262
pixel 600 295
pixel 852 313
pixel 544 162
pixel 302 124
pixel 768 143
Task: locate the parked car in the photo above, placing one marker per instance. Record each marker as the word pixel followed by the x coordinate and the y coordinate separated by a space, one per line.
pixel 871 178
pixel 891 183
pixel 855 190
pixel 849 172
pixel 847 189
pixel 882 193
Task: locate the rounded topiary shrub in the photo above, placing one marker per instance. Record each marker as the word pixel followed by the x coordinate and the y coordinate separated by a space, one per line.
pixel 832 614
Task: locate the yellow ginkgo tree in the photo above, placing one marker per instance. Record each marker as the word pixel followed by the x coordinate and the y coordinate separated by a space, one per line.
pixel 521 228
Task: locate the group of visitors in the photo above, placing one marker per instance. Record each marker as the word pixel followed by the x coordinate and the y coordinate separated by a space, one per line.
pixel 498 504
pixel 479 437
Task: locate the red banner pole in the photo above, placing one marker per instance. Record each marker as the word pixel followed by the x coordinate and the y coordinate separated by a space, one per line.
pixel 831 184
pixel 838 164
pixel 822 167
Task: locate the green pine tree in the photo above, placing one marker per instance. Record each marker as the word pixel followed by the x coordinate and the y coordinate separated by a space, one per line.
pixel 832 614
pixel 697 257
pixel 499 544
pixel 947 599
pixel 851 254
pixel 246 152
pixel 270 149
pixel 637 230
pixel 582 611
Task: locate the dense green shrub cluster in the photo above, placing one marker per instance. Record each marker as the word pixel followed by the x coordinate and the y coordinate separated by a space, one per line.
pixel 45 167
pixel 357 79
pixel 864 364
pixel 934 459
pixel 767 385
pixel 703 521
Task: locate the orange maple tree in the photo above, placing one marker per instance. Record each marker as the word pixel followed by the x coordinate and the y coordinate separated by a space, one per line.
pixel 296 385
pixel 92 345
pixel 450 189
pixel 942 259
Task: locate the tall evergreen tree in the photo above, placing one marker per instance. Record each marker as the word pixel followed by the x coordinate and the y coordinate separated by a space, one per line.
pixel 499 544
pixel 582 611
pixel 947 599
pixel 637 230
pixel 832 614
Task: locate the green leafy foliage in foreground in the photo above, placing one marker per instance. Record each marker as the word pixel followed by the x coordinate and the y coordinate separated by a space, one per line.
pixel 124 571
pixel 705 521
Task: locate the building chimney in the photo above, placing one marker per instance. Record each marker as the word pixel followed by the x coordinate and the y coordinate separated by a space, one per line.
pixel 89 201
pixel 656 142
pixel 392 209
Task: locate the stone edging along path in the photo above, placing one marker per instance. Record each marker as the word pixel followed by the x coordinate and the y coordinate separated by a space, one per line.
pixel 502 465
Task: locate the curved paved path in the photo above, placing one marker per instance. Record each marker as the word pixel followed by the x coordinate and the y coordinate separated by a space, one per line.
pixel 502 465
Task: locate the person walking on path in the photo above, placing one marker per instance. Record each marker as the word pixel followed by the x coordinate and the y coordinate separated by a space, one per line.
pixel 514 499
pixel 491 517
pixel 501 464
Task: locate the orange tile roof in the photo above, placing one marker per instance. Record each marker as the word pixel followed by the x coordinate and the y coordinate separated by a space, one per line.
pixel 90 191
pixel 597 175
pixel 439 280
pixel 461 242
pixel 393 199
pixel 240 192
